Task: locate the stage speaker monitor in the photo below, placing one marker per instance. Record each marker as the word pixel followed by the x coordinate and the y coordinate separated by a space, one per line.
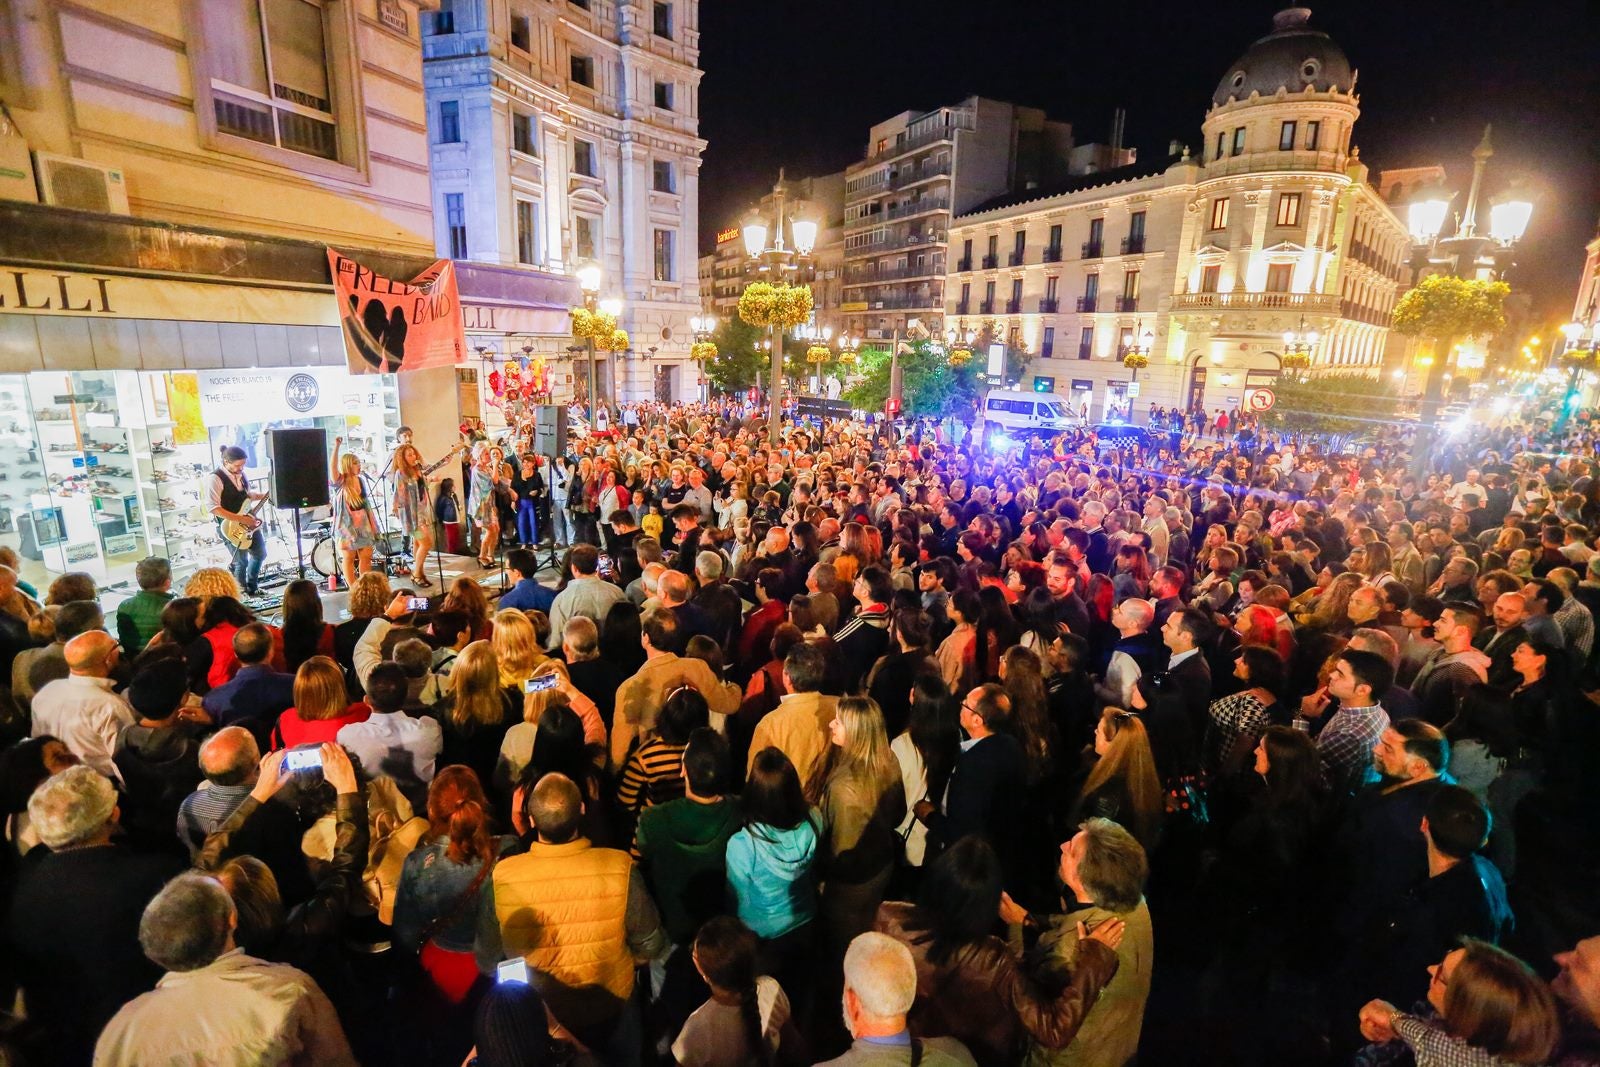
pixel 550 430
pixel 299 467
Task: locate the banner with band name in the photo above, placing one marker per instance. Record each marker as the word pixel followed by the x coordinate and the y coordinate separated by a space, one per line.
pixel 393 326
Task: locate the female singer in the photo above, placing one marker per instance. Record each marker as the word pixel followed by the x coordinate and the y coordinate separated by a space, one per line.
pixel 355 526
pixel 481 503
pixel 412 504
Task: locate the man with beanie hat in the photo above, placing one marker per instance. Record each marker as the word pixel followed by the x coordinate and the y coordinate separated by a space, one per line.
pixel 72 930
pixel 158 755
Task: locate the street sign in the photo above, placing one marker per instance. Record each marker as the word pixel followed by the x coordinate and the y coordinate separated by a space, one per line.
pixel 1133 390
pixel 1260 399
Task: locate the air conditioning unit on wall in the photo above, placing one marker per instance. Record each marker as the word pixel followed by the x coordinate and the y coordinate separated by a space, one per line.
pixel 77 183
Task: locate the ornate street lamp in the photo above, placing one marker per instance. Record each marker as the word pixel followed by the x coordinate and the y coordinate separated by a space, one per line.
pixel 1298 346
pixel 773 302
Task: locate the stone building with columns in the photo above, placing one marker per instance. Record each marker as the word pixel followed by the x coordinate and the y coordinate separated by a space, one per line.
pixel 1273 225
pixel 568 133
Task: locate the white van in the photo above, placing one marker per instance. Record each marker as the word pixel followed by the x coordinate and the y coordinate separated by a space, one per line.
pixel 1019 414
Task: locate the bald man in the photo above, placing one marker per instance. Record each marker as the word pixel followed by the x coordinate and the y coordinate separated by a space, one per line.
pixel 80 709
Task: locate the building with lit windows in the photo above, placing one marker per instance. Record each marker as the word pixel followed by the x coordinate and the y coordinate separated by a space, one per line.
pixel 1272 228
pixel 564 133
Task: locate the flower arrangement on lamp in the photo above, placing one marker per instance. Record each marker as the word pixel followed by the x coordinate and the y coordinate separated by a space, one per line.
pixel 596 324
pixel 960 357
pixel 1135 360
pixel 615 341
pixel 818 354
pixel 765 304
pixel 703 351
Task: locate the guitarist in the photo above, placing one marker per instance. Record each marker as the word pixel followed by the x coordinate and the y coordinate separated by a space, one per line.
pixel 412 503
pixel 229 492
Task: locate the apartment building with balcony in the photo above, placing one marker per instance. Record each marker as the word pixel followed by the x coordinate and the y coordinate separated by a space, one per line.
pixel 920 170
pixel 565 132
pixel 1275 226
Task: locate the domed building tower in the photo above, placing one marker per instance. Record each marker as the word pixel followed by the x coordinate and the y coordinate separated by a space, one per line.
pixel 1284 234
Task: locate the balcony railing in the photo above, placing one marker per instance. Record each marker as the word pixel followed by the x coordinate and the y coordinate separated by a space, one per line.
pixel 1093 250
pixel 986 307
pixel 894 274
pixel 1049 305
pixel 914 302
pixel 918 207
pixel 991 262
pixel 927 137
pixel 1087 303
pixel 963 307
pixel 1046 349
pixel 912 175
pixel 1127 303
pixel 1013 307
pixel 1085 351
pixel 1133 244
pixel 1052 254
pixel 963 265
pixel 1015 259
pixel 1237 301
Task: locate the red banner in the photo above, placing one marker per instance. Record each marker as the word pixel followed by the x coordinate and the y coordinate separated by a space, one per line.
pixel 394 326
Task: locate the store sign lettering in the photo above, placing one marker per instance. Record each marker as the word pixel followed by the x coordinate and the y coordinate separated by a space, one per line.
pixel 70 294
pixel 474 317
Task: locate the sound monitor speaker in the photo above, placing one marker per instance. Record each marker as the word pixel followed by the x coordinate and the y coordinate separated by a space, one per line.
pixel 550 430
pixel 299 467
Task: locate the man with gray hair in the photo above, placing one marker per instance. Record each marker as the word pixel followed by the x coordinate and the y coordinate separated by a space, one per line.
pixel 880 984
pixel 81 709
pixel 595 679
pixel 216 1005
pixel 71 932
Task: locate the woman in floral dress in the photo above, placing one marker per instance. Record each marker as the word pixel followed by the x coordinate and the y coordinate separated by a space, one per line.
pixel 355 526
pixel 481 504
pixel 412 504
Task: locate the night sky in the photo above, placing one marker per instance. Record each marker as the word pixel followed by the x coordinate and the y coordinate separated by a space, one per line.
pixel 799 84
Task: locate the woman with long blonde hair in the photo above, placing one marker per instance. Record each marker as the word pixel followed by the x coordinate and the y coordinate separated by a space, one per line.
pixel 857 789
pixel 479 713
pixel 1123 785
pixel 355 525
pixel 516 646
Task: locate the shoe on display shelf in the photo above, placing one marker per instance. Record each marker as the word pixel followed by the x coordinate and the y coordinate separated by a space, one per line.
pixel 161 448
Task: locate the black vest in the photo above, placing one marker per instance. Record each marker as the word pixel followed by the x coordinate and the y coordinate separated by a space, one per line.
pixel 233 499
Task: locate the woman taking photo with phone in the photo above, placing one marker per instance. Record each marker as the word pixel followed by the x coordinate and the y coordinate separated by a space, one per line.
pixel 355 526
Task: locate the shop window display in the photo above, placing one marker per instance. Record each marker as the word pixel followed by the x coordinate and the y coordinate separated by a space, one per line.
pixel 99 469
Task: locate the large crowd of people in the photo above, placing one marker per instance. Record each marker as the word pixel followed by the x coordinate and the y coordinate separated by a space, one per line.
pixel 877 745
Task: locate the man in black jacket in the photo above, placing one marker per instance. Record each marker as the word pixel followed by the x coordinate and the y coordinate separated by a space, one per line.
pixel 1176 700
pixel 1061 579
pixel 984 793
pixel 72 932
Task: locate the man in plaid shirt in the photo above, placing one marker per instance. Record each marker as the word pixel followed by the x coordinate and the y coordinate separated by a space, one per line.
pixel 1346 741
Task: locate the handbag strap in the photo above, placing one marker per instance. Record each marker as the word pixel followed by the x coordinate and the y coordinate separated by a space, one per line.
pixel 448 916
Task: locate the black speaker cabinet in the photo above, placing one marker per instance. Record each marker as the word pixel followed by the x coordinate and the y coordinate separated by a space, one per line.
pixel 299 468
pixel 550 430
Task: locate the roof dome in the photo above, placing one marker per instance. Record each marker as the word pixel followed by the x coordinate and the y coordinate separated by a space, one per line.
pixel 1293 56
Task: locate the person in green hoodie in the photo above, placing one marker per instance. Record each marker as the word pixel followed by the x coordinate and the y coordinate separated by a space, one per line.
pixel 682 845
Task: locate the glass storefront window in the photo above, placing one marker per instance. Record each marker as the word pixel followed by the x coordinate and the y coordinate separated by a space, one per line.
pixel 99 469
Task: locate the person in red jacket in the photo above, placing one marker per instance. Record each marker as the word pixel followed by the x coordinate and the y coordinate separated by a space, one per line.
pixel 321 706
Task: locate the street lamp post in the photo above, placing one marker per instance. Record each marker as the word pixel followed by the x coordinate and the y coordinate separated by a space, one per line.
pixel 703 326
pixel 778 259
pixel 1298 346
pixel 1579 353
pixel 589 282
pixel 1464 254
pixel 814 335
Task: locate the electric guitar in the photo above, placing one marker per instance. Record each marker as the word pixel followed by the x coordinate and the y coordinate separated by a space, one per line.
pixel 460 446
pixel 241 534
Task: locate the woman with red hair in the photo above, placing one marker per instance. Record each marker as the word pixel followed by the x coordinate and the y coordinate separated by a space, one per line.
pixel 1258 625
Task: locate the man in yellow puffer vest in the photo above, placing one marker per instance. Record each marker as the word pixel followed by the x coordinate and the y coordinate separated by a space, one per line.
pixel 582 918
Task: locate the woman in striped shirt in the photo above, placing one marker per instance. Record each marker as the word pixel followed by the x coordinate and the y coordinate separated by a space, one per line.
pixel 654 772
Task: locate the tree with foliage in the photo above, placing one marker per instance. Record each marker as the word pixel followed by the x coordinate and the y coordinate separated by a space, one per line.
pixel 1330 404
pixel 741 361
pixel 930 384
pixel 1446 310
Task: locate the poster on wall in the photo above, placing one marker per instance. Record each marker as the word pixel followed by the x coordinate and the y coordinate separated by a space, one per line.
pixel 391 325
pixel 277 394
pixel 183 403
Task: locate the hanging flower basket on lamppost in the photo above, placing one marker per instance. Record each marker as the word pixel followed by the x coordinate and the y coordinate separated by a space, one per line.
pixel 765 304
pixel 1135 360
pixel 818 354
pixel 703 351
pixel 960 357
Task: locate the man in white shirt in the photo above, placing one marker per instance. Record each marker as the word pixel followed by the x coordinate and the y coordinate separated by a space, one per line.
pixel 390 742
pixel 80 709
